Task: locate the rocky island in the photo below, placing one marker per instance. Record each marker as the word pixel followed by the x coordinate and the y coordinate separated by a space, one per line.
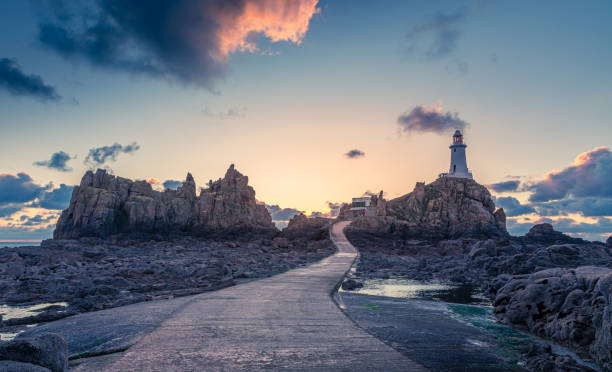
pixel 545 282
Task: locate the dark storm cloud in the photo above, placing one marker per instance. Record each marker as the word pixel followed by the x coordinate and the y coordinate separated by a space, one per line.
pixel 185 40
pixel 588 176
pixel 353 154
pixel 18 83
pixel 99 155
pixel 437 37
pixel 58 162
pixel 512 206
pixel 18 188
pixel 171 184
pixel 505 186
pixel 423 119
pixel 57 198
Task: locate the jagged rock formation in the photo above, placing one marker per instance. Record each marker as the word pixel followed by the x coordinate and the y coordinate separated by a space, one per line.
pixel 573 306
pixel 446 208
pixel 104 205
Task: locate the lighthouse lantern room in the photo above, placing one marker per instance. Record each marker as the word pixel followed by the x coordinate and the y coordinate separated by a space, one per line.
pixel 458 164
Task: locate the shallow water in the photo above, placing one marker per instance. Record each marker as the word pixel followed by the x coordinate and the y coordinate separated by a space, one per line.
pixel 15 312
pixel 464 303
pixel 405 288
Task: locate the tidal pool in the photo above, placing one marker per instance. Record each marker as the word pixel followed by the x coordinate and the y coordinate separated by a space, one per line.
pixel 463 303
pixel 406 288
pixel 16 312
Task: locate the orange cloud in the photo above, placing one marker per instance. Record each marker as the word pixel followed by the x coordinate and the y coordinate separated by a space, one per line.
pixel 278 20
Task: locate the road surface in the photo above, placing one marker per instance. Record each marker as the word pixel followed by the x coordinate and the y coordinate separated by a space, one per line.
pixel 285 322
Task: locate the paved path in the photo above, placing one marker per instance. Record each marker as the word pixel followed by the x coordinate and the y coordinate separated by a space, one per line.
pixel 285 322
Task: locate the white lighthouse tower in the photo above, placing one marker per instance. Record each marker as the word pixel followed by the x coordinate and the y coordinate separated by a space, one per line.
pixel 458 165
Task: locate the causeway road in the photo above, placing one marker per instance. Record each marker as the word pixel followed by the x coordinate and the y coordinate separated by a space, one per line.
pixel 285 322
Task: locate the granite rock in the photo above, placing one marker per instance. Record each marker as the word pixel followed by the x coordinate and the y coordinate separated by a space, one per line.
pixel 47 350
pixel 104 205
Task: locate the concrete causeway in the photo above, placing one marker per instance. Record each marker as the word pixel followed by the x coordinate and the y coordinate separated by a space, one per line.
pixel 285 322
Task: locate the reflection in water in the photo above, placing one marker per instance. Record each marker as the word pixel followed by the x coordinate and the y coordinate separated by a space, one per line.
pixel 16 312
pixel 404 288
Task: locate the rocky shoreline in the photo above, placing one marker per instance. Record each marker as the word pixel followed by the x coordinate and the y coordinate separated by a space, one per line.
pixel 558 287
pixel 92 274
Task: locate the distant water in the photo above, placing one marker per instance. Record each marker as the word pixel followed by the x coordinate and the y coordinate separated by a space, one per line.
pixel 11 244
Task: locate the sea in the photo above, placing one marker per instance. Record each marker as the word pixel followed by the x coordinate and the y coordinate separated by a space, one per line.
pixel 18 243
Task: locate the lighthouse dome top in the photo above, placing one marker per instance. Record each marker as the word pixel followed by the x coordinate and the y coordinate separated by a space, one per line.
pixel 457 133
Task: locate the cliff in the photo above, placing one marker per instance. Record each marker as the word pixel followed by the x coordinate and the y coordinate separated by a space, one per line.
pixel 104 205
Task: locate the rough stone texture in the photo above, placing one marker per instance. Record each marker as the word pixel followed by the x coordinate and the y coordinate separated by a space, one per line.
pixel 301 227
pixel 540 358
pixel 573 306
pixel 446 208
pixel 104 205
pixel 609 242
pixel 47 350
pixel 544 232
pixel 12 366
pixel 94 274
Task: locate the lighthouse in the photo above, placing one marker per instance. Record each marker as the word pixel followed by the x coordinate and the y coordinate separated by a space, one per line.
pixel 458 165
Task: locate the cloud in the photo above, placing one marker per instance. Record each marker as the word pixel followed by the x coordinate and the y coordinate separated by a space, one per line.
pixel 57 198
pixel 588 176
pixel 505 186
pixel 8 210
pixel 172 184
pixel 432 119
pixel 437 37
pixel 58 162
pixel 18 188
pixel 232 112
pixel 354 154
pixel 512 206
pixel 17 83
pixel 26 232
pixel 99 155
pixel 591 231
pixel 185 40
pixel 281 214
pixel 589 207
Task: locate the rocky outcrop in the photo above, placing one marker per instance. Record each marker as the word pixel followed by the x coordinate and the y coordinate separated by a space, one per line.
pixel 446 208
pixel 573 306
pixel 48 351
pixel 104 205
pixel 303 227
pixel 544 233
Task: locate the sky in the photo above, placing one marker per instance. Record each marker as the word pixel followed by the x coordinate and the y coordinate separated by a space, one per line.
pixel 316 101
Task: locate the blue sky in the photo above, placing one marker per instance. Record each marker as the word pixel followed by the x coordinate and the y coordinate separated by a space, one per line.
pixel 532 80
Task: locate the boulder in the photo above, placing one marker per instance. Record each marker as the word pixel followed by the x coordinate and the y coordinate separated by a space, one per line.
pixel 12 366
pixel 48 350
pixel 609 242
pixel 351 284
pixel 572 306
pixel 544 233
pixel 104 205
